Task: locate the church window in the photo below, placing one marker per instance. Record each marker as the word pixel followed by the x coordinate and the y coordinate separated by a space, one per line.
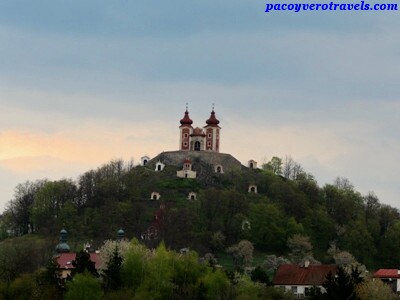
pixel 185 144
pixel 218 169
pixel 185 135
pixel 159 167
pixel 197 146
pixel 209 135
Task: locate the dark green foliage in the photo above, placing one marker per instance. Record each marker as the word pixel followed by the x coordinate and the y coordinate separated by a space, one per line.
pixel 112 274
pixel 117 195
pixel 83 263
pixel 341 285
pixel 84 287
pixel 260 275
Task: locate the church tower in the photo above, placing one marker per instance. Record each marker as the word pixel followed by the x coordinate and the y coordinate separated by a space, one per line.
pixel 212 131
pixel 186 130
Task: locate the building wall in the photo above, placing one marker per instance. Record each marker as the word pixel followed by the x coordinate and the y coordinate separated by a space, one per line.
pixel 186 174
pixel 298 290
pixel 184 139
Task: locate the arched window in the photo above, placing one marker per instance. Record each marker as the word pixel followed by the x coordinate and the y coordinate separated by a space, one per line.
pixel 218 169
pixel 251 165
pixel 159 167
pixel 192 197
pixel 197 146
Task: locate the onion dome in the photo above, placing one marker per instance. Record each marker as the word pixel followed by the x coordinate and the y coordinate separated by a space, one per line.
pixel 62 246
pixel 187 161
pixel 198 132
pixel 186 120
pixel 120 234
pixel 212 121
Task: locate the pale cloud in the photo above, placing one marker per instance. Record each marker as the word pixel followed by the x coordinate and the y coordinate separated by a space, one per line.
pixel 88 83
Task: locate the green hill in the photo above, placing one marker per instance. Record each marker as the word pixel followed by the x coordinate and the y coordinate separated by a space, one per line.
pixel 118 195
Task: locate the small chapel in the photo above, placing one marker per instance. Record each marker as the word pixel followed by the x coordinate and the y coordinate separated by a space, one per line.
pixel 199 139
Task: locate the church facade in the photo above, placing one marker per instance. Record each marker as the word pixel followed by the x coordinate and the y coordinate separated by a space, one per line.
pixel 199 139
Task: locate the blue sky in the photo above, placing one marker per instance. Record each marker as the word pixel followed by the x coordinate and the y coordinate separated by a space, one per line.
pixel 83 82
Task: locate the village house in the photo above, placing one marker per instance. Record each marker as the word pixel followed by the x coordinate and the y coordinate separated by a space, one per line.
pixel 300 279
pixel 390 277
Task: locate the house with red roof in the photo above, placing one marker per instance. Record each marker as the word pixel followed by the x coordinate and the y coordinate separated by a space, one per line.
pixel 390 277
pixel 64 257
pixel 64 261
pixel 300 279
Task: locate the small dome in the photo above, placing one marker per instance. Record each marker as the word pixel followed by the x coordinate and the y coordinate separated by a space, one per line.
pixel 212 121
pixel 186 120
pixel 187 161
pixel 121 233
pixel 198 132
pixel 62 246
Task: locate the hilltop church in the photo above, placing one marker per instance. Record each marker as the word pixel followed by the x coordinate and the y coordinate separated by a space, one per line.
pixel 198 139
pixel 198 147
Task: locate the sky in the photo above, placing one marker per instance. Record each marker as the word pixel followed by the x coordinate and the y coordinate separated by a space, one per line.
pixel 85 82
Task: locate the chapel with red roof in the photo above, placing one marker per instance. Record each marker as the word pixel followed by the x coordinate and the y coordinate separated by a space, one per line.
pixel 199 139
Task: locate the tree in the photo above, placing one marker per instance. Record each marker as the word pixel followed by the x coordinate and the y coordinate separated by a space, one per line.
pixel 342 285
pixel 82 263
pixel 274 165
pixel 375 290
pixel 270 228
pixel 259 275
pixel 18 209
pixel 343 183
pixel 300 248
pixel 48 203
pixel 217 285
pixel 84 286
pixel 108 248
pixel 242 253
pixel 112 274
pixel 291 169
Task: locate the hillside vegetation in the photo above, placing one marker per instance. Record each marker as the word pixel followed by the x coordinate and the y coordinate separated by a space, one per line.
pixel 330 220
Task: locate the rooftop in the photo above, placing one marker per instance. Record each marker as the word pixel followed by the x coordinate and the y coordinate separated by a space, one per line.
pixel 288 274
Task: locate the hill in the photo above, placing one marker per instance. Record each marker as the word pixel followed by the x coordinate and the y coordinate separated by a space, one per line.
pixel 118 195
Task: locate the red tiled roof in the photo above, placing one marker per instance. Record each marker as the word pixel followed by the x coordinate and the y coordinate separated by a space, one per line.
pixel 64 260
pixel 295 275
pixel 198 132
pixel 387 273
pixel 186 120
pixel 212 121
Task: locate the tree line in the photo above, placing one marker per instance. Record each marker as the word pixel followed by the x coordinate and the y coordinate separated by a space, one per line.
pixel 289 202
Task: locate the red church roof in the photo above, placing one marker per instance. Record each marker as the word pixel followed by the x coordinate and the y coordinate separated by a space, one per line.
pixel 295 275
pixel 212 121
pixel 186 120
pixel 64 260
pixel 387 273
pixel 198 132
